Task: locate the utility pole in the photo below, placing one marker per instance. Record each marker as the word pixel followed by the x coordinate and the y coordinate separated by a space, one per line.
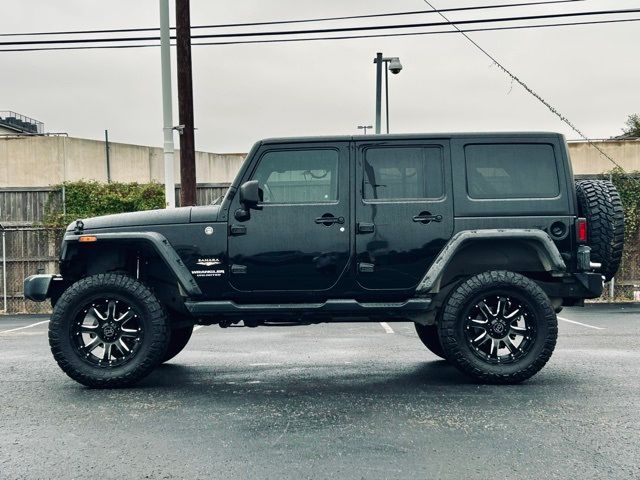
pixel 185 105
pixel 167 106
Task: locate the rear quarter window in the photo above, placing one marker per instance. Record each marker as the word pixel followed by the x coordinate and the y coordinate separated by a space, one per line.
pixel 503 171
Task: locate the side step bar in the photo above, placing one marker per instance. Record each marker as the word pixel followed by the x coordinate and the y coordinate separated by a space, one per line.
pixel 330 307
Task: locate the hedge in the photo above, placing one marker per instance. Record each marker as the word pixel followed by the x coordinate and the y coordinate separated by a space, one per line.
pixel 85 199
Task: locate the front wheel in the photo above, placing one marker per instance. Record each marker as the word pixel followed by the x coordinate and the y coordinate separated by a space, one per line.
pixel 498 327
pixel 108 330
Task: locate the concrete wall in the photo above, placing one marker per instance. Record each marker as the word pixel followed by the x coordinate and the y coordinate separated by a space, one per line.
pixel 42 161
pixel 30 161
pixel 587 160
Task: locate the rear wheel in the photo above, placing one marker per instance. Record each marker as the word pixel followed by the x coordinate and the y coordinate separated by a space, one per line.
pixel 429 336
pixel 498 327
pixel 108 330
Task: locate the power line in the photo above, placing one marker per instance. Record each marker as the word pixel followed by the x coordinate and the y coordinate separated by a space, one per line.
pixel 513 77
pixel 348 37
pixel 437 32
pixel 330 30
pixel 306 20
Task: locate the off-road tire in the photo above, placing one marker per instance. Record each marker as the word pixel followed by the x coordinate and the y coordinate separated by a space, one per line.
pixel 460 352
pixel 152 348
pixel 428 334
pixel 599 202
pixel 177 341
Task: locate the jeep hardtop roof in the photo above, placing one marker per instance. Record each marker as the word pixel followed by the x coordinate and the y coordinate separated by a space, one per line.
pixel 409 136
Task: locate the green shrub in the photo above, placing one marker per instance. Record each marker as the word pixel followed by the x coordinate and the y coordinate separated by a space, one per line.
pixel 628 185
pixel 85 199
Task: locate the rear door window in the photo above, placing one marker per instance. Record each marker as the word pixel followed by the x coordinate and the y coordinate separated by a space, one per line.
pixel 503 171
pixel 397 173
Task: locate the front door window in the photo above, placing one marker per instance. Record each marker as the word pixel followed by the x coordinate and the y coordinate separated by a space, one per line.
pixel 298 176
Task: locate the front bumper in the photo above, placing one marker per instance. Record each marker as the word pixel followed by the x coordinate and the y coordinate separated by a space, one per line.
pixel 42 286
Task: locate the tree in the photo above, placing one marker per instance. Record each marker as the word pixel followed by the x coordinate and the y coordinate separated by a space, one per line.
pixel 632 126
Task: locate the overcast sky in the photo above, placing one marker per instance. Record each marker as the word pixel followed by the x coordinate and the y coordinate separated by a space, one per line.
pixel 246 92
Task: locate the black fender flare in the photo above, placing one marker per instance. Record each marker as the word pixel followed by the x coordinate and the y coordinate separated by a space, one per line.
pixel 546 250
pixel 158 243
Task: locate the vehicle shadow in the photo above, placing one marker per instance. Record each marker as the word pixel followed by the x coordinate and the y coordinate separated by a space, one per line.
pixel 325 380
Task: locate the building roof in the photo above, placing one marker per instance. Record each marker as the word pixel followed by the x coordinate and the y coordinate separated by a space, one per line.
pixel 18 123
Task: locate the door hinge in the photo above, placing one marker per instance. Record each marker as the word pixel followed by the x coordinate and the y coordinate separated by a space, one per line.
pixel 366 267
pixel 236 230
pixel 238 269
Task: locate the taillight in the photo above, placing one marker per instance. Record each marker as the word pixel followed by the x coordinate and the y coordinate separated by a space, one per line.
pixel 582 230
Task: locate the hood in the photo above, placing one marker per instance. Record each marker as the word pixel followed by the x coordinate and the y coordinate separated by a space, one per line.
pixel 134 219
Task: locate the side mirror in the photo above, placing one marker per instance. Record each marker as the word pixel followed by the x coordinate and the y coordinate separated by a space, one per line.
pixel 250 196
pixel 250 193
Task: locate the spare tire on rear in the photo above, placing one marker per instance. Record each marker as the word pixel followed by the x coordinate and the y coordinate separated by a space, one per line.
pixel 599 202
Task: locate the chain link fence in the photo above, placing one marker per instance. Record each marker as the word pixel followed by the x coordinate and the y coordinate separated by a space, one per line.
pixel 26 250
pixel 626 285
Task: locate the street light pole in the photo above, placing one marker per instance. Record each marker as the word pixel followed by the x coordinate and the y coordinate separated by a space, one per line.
pixel 378 62
pixel 390 63
pixel 364 127
pixel 167 112
pixel 386 94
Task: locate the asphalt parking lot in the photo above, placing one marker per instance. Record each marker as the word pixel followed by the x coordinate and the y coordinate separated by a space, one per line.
pixel 327 401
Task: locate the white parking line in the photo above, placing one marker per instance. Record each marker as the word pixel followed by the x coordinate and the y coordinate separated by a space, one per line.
pixel 23 328
pixel 582 324
pixel 386 327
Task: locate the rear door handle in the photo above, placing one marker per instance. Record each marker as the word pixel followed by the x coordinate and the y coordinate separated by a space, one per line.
pixel 364 227
pixel 427 218
pixel 366 267
pixel 328 219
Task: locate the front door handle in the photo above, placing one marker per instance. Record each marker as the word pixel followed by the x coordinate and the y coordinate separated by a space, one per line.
pixel 328 219
pixel 235 230
pixel 426 217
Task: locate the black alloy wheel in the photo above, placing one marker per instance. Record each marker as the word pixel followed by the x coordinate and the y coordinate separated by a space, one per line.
pixel 499 329
pixel 107 331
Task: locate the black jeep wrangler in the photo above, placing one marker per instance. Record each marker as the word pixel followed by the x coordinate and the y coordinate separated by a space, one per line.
pixel 477 238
